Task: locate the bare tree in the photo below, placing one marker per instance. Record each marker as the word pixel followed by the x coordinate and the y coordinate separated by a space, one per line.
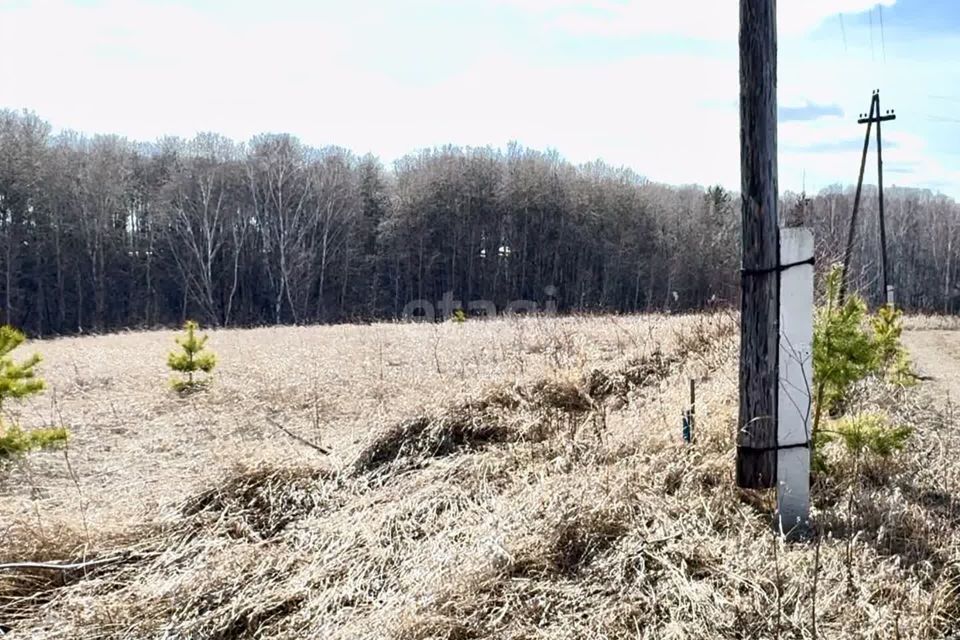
pixel 279 186
pixel 335 205
pixel 206 222
pixel 105 233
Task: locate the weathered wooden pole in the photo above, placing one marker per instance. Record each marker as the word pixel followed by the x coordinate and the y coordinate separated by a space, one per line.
pixel 759 289
pixel 848 251
pixel 874 116
pixel 887 287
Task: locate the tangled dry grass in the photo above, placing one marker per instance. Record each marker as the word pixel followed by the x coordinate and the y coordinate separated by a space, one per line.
pixel 507 479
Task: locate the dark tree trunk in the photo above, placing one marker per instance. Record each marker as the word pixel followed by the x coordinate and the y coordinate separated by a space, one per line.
pixel 760 294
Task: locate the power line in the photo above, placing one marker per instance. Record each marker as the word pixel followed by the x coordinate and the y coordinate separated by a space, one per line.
pixel 935 118
pixel 883 40
pixel 843 31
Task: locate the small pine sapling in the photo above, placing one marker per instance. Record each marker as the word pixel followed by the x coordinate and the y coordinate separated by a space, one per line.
pixel 18 380
pixel 864 436
pixel 887 326
pixel 191 358
pixel 849 345
pixel 844 352
pixel 871 433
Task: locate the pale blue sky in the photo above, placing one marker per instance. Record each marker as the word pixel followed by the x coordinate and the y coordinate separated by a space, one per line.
pixel 650 84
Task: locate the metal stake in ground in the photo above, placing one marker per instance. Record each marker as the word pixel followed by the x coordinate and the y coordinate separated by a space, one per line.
pixel 759 290
pixel 689 414
pixel 693 407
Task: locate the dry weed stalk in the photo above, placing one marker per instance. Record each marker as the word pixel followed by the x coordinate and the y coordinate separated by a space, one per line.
pixel 532 498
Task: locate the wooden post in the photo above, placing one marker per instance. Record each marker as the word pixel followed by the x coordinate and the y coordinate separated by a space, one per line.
pixel 795 405
pixel 887 287
pixel 693 406
pixel 848 251
pixel 690 414
pixel 759 289
pixel 869 119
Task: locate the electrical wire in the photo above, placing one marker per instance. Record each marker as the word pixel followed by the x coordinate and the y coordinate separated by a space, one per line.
pixel 843 31
pixel 883 40
pixel 947 119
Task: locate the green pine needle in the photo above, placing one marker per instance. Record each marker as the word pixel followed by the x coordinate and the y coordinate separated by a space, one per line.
pixel 871 433
pixel 192 358
pixel 18 380
pixel 15 441
pixel 849 345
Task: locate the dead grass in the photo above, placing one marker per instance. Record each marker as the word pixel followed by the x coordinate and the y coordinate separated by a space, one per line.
pixel 535 487
pixel 931 322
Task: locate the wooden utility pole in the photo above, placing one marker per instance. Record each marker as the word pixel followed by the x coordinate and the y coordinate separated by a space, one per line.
pixel 887 287
pixel 760 286
pixel 874 116
pixel 848 251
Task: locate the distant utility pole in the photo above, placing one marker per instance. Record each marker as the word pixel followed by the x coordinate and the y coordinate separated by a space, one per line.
pixel 757 439
pixel 874 116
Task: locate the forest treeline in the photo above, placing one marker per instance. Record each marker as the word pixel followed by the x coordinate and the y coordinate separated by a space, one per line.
pixel 101 233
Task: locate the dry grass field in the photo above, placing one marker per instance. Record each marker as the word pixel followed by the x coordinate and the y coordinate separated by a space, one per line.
pixel 512 478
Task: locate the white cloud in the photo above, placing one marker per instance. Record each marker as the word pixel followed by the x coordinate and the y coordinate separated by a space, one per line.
pixel 796 17
pixel 148 69
pixel 700 19
pixel 646 112
pixel 145 70
pixel 801 159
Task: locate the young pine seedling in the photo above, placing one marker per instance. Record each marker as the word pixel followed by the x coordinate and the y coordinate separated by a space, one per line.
pixel 191 359
pixel 18 380
pixel 850 345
